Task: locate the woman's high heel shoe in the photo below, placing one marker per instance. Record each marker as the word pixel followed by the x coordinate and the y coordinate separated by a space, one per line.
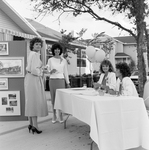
pixel 29 127
pixel 35 130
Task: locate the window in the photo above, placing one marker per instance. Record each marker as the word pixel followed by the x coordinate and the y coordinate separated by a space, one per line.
pixel 81 58
pixel 16 38
pixel 81 63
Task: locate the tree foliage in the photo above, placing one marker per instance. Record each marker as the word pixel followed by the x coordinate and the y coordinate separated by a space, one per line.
pixel 68 38
pixel 134 10
pixel 132 65
pixel 78 7
pixel 101 41
pixel 66 42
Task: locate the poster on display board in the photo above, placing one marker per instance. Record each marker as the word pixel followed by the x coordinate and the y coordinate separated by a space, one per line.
pixel 4 48
pixel 9 103
pixel 3 83
pixel 12 67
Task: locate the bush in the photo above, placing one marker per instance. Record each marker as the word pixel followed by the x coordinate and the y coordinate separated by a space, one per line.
pixel 132 65
pixel 78 81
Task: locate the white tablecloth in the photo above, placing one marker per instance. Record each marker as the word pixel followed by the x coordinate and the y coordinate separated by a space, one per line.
pixel 116 123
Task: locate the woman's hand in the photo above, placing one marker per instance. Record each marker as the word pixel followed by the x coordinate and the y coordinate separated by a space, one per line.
pixel 68 86
pixel 112 92
pixel 104 87
pixel 53 71
pixel 44 69
pixel 96 85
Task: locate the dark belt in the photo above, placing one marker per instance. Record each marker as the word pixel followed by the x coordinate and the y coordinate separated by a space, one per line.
pixel 28 72
pixel 57 79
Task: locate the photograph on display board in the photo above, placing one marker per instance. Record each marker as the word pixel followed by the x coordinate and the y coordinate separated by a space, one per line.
pixel 3 84
pixel 9 110
pixel 13 103
pixel 4 101
pixel 12 96
pixel 4 48
pixel 9 103
pixel 12 67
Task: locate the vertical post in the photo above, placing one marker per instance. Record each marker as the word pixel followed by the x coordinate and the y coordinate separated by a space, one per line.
pixel 43 52
pixel 43 58
pixel 80 69
pixel 91 71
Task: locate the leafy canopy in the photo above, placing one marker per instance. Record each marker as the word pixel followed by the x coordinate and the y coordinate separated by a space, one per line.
pixel 77 7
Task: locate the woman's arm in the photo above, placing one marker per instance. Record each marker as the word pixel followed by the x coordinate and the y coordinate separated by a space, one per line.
pixel 36 69
pixel 49 67
pixel 127 88
pixel 66 73
pixel 112 81
pixel 97 84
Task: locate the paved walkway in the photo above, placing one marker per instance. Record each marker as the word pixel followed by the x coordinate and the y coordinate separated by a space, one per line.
pixel 14 135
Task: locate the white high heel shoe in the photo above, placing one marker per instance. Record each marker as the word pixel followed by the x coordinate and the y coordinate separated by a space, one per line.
pixel 61 121
pixel 54 120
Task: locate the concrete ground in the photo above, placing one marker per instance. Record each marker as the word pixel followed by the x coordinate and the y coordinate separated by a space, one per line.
pixel 14 135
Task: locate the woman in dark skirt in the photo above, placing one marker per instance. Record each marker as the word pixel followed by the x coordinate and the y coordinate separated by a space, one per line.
pixel 57 67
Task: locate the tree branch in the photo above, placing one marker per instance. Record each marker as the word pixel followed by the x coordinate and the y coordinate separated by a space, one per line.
pixel 97 17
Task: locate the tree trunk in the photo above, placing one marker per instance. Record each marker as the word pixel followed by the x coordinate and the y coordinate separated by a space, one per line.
pixel 147 42
pixel 141 68
pixel 140 46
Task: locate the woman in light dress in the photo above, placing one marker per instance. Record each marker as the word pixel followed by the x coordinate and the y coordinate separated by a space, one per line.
pixel 35 104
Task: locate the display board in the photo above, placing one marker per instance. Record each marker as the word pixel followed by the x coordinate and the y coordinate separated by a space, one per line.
pixel 13 55
pixel 9 103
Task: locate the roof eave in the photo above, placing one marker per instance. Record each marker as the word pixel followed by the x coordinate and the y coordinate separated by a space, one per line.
pixel 129 43
pixel 18 19
pixel 122 56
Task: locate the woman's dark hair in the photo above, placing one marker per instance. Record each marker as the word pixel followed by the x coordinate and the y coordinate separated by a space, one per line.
pixel 107 63
pixel 55 46
pixel 35 40
pixel 124 69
